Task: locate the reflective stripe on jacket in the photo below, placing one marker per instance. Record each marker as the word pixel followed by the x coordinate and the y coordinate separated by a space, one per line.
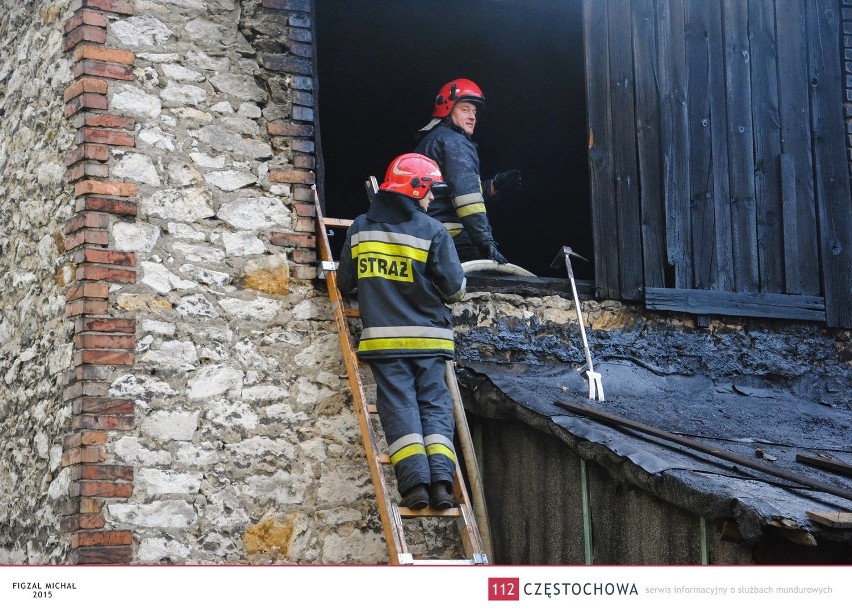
pixel 463 212
pixel 405 268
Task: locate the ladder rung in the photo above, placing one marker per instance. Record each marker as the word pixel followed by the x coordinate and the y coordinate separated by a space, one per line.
pixel 371 408
pixel 384 459
pixel 429 512
pixel 442 563
pixel 352 312
pixel 336 222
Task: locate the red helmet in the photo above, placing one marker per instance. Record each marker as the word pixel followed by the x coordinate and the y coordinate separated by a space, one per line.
pixel 412 175
pixel 459 90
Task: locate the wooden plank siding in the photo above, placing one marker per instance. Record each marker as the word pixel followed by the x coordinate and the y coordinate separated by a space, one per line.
pixel 737 304
pixel 740 145
pixel 625 162
pixel 831 177
pixel 711 206
pixel 675 139
pixel 796 136
pixel 766 126
pixel 717 153
pixel 601 181
pixel 648 144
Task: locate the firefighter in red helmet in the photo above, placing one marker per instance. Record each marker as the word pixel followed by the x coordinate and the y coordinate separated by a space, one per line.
pixel 406 271
pixel 448 141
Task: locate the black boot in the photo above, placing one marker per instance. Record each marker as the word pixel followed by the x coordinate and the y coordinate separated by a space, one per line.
pixel 416 498
pixel 441 495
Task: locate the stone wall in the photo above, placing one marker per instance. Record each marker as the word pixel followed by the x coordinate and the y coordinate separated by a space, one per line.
pixel 35 338
pixel 243 443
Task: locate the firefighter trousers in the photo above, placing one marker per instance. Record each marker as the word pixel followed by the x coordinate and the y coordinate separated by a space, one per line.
pixel 416 411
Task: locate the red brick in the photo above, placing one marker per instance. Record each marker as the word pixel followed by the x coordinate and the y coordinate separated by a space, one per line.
pixel 80 455
pixel 86 170
pixel 86 220
pixel 92 237
pixel 98 340
pixel 85 388
pixel 102 54
pixel 87 289
pixel 84 521
pixel 305 194
pixel 106 489
pixel 106 205
pixel 303 271
pixel 103 555
pixel 84 17
pixel 305 224
pixel 85 85
pixel 77 505
pixel 122 7
pixel 304 256
pixel 103 69
pixel 280 128
pixel 280 175
pixel 104 406
pixel 97 102
pixel 71 441
pixel 99 153
pixel 93 438
pixel 105 324
pixel 104 120
pixel 305 210
pixel 107 256
pixel 113 358
pixel 110 274
pixel 304 162
pixel 117 138
pixel 106 188
pixel 99 406
pixel 106 472
pixel 72 456
pixel 89 538
pixel 288 239
pixel 87 372
pixel 89 34
pixel 103 422
pixel 86 307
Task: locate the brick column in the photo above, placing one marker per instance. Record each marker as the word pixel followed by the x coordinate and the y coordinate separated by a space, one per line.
pixel 102 342
pixel 297 133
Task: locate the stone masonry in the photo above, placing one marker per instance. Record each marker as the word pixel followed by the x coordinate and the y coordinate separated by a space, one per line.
pixel 36 340
pixel 181 395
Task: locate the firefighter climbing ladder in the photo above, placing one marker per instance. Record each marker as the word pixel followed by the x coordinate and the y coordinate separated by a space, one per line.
pixel 392 515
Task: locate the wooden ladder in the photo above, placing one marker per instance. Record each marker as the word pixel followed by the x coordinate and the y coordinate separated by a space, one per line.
pixel 392 515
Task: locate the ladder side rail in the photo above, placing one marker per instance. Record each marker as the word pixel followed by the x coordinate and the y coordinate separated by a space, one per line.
pixel 477 493
pixel 469 531
pixel 391 523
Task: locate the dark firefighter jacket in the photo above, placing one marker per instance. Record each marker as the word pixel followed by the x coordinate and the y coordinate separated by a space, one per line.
pixel 463 211
pixel 405 268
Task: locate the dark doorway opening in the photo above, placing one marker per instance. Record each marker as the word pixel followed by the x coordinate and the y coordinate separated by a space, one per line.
pixel 380 64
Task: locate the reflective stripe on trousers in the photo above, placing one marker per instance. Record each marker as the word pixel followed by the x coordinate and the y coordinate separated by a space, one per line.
pixel 416 412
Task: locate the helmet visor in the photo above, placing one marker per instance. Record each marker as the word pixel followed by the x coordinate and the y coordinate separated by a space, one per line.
pixel 439 189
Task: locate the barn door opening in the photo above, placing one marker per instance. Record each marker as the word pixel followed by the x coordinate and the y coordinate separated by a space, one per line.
pixel 380 64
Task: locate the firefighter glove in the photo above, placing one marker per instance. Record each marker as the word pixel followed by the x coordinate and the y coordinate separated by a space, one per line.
pixel 508 181
pixel 489 251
